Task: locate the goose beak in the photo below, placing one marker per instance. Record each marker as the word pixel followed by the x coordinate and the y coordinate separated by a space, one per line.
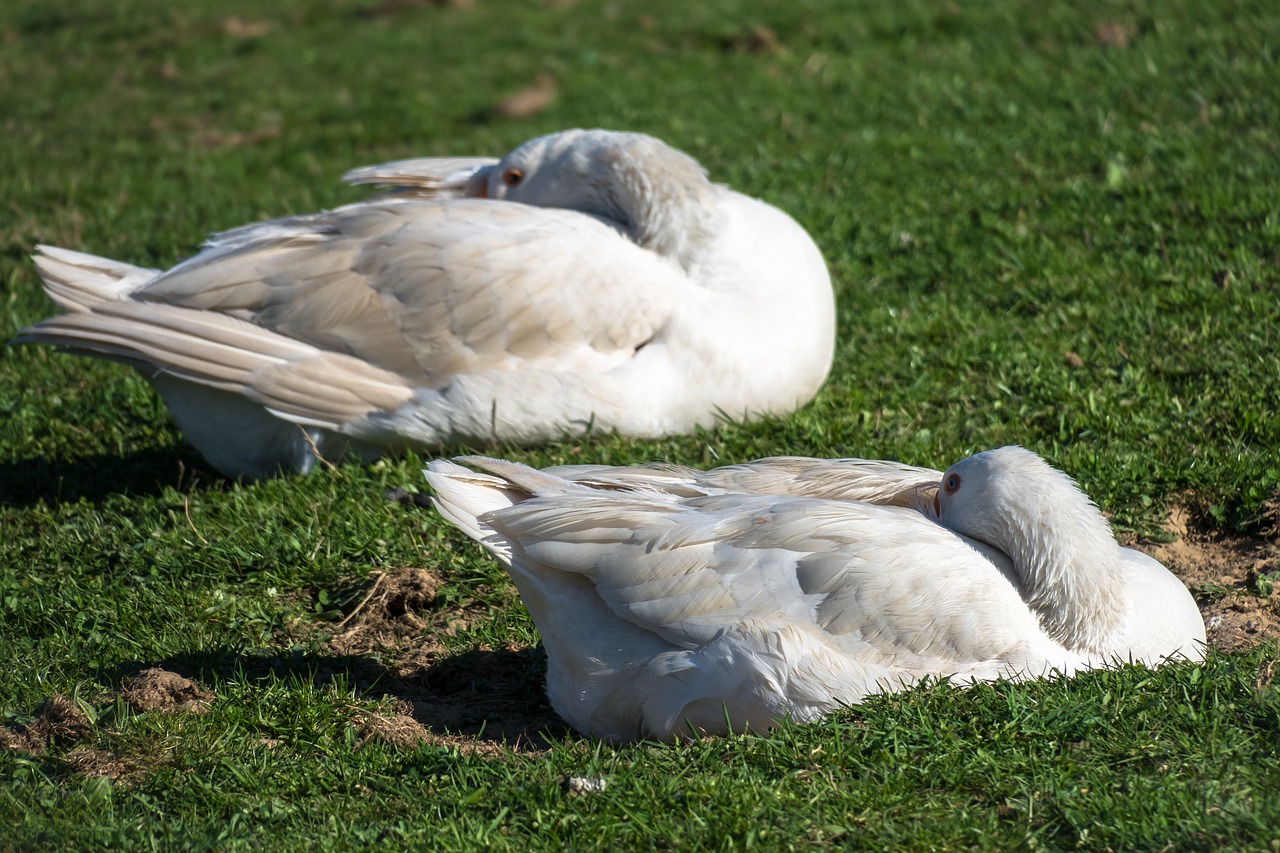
pixel 937 506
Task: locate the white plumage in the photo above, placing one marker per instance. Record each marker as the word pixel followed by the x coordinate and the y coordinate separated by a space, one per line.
pixel 670 600
pixel 589 278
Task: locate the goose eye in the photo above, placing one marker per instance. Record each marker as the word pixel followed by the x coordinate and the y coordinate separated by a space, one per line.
pixel 951 483
pixel 511 177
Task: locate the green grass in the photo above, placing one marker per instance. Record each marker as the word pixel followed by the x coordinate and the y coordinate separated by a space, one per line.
pixel 994 186
pixel 1117 759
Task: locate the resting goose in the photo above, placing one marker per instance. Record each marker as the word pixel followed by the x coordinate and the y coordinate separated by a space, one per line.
pixel 673 601
pixel 588 279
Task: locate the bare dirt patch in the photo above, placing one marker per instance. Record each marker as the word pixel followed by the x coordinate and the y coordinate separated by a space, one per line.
pixel 485 700
pixel 395 729
pixel 490 727
pixel 91 761
pixel 398 610
pixel 758 39
pixel 243 28
pixel 1231 577
pixel 59 720
pixel 1115 34
pixel 164 692
pixel 529 101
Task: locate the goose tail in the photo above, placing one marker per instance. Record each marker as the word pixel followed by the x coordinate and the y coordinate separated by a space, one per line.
pixel 77 281
pixel 464 497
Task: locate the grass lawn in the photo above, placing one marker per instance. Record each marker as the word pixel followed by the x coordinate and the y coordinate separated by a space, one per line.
pixel 1056 225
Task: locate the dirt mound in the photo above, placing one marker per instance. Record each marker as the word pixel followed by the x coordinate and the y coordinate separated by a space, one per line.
pixel 58 721
pixel 487 725
pixel 1236 580
pixel 399 606
pixel 118 768
pixel 164 692
pixel 482 700
pixel 399 730
pixel 61 722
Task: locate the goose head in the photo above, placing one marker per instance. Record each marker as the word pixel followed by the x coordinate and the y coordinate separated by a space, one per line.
pixel 655 195
pixel 1067 562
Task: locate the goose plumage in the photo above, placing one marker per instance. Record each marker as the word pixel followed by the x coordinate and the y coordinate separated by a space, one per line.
pixel 672 601
pixel 588 279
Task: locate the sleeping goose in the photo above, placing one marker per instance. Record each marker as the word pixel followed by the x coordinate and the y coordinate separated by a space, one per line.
pixel 673 601
pixel 588 279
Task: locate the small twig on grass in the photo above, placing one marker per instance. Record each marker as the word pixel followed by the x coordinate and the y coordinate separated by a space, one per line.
pixel 315 451
pixel 1266 674
pixel 186 510
pixel 363 601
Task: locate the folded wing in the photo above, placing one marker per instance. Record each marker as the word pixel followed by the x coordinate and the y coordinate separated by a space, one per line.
pixel 883 584
pixel 430 289
pixel 396 294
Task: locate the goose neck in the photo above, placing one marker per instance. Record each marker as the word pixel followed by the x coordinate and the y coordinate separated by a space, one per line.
pixel 1073 583
pixel 665 202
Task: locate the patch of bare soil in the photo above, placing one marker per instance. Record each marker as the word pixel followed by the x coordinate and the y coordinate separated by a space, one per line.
pixel 398 609
pixel 1117 34
pixel 91 761
pixel 400 730
pixel 1231 577
pixel 529 101
pixel 61 722
pixel 165 692
pixel 483 701
pixel 58 721
pixel 239 28
pixel 758 39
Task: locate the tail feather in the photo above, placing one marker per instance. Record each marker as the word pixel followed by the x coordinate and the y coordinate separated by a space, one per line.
pixel 464 496
pixel 77 281
pixel 180 341
pixel 530 482
pixel 294 380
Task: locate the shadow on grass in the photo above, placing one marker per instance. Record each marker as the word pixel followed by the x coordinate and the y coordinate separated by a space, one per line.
pixel 26 482
pixel 486 698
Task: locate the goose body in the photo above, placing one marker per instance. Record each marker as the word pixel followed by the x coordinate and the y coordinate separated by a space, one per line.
pixel 671 600
pixel 588 279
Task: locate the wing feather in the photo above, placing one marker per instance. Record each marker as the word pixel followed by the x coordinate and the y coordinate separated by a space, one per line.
pixel 865 480
pixel 868 577
pixel 430 289
pixel 295 380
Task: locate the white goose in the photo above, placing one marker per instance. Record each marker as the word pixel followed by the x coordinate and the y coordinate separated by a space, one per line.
pixel 672 600
pixel 588 278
